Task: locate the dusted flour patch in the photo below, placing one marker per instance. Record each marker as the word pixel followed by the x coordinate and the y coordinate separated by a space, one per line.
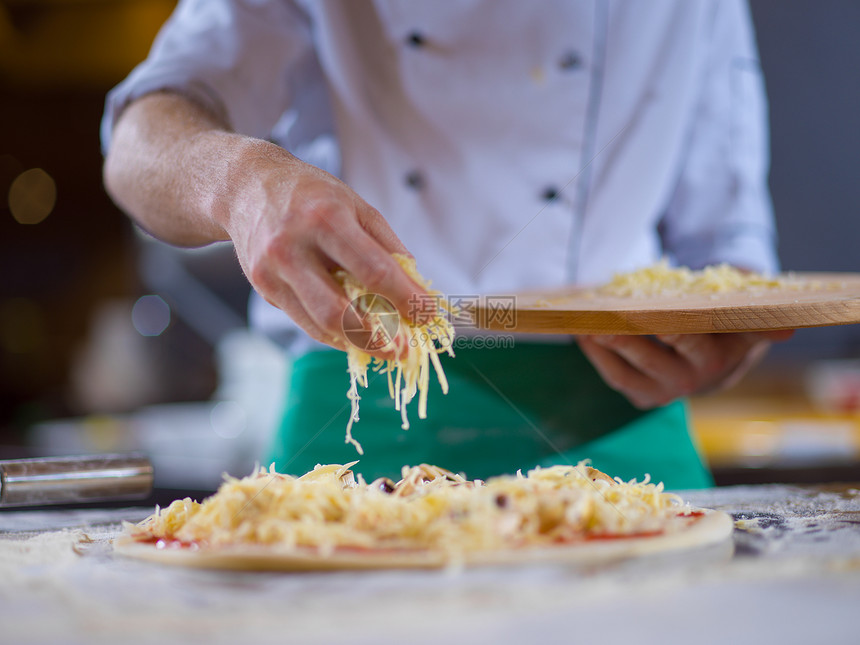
pixel 57 548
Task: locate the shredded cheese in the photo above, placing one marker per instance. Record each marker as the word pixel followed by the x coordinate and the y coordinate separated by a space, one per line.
pixel 428 509
pixel 417 347
pixel 661 279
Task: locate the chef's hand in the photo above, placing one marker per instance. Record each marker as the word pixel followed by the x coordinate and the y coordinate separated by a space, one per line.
pixel 187 179
pixel 294 225
pixel 652 372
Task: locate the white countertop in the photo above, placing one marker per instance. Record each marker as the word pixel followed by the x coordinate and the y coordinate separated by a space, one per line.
pixel 794 577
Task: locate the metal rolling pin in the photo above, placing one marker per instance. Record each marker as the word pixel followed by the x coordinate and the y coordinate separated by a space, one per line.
pixel 70 480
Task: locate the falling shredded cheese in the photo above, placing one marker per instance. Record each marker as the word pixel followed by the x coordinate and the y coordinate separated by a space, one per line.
pixel 661 279
pixel 428 509
pixel 417 347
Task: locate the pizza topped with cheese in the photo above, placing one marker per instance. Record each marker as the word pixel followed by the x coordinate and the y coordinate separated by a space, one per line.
pixel 332 518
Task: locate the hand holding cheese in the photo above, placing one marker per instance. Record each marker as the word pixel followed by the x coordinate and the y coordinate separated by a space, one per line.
pixel 190 181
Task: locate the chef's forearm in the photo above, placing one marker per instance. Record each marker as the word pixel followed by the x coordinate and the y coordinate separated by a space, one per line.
pixel 174 168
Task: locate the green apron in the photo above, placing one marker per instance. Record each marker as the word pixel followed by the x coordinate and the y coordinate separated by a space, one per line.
pixel 507 409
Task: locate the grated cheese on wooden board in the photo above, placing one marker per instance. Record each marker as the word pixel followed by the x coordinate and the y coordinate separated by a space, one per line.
pixel 661 279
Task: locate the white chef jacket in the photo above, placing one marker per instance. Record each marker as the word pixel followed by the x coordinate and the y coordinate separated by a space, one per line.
pixel 509 144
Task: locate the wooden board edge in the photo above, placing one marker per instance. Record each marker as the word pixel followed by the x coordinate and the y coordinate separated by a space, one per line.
pixel 730 319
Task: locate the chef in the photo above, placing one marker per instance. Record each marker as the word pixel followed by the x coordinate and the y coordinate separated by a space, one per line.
pixel 506 145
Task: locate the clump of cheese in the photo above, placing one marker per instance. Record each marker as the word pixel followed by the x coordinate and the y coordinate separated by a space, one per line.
pixel 417 347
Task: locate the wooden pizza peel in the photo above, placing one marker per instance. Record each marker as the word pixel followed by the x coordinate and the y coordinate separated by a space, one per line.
pixel 810 300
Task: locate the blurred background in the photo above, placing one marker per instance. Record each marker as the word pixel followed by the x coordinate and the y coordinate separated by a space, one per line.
pixel 110 341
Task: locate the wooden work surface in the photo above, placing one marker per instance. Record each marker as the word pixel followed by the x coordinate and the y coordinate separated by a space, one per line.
pixel 813 300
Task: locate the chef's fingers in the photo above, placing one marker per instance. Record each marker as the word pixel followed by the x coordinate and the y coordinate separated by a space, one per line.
pixel 297 282
pixel 354 249
pixel 346 321
pixel 722 359
pixel 324 301
pixel 372 221
pixel 709 354
pixel 640 389
pixel 660 363
pixel 703 350
pixel 776 335
pixel 650 373
pixel 284 298
pixel 422 306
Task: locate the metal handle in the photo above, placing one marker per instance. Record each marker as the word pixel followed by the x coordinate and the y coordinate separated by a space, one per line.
pixel 67 480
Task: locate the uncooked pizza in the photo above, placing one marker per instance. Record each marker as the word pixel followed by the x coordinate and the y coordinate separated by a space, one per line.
pixel 331 518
